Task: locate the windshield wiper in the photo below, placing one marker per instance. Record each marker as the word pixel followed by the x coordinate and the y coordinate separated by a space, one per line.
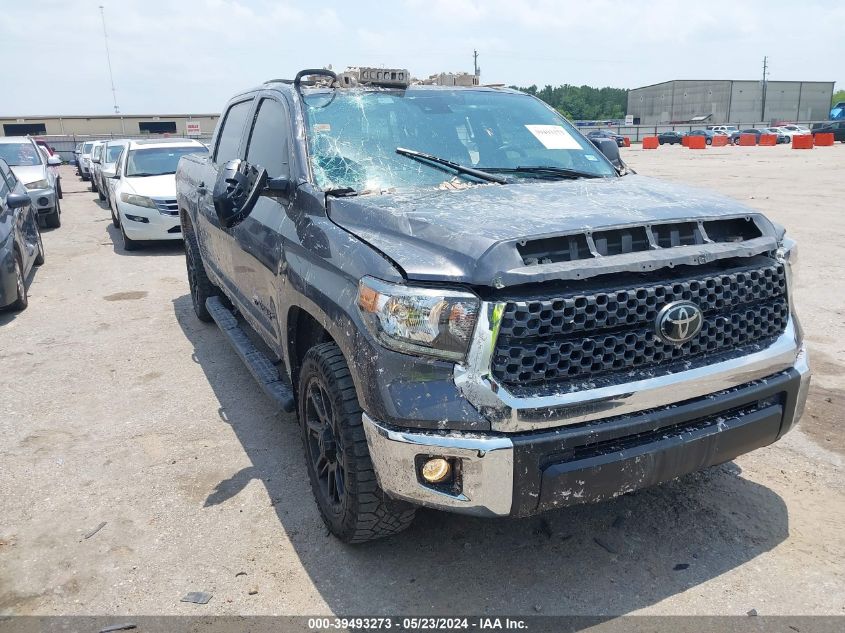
pixel 460 169
pixel 341 192
pixel 545 171
pixel 143 174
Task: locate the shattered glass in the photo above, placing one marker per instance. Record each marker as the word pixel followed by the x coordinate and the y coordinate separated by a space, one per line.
pixel 353 135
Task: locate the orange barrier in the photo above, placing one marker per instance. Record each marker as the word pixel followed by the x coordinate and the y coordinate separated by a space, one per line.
pixel 720 141
pixel 802 141
pixel 823 139
pixel 650 142
pixel 685 141
pixel 747 139
pixel 627 141
pixel 696 142
pixel 769 140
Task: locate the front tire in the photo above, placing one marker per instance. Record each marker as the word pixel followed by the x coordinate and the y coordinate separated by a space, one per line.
pixel 39 260
pixel 100 194
pixel 115 218
pixel 54 220
pixel 351 503
pixel 128 244
pixel 22 300
pixel 198 281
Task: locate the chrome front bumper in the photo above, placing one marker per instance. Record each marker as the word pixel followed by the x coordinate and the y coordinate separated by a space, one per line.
pixel 487 461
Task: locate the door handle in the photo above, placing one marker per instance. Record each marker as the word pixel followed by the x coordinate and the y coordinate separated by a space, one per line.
pixel 201 189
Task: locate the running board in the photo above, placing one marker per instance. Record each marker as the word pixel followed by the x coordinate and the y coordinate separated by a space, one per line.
pixel 261 367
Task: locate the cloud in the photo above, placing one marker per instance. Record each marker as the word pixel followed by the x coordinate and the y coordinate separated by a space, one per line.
pixel 191 56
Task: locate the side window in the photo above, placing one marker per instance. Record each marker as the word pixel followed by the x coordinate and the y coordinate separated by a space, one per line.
pixel 231 132
pixel 269 140
pixel 6 183
pixel 118 163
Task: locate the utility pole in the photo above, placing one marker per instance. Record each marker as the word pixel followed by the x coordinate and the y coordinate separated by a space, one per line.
pixel 475 62
pixel 764 86
pixel 108 59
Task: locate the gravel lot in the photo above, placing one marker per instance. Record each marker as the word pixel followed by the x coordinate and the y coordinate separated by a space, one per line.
pixel 120 407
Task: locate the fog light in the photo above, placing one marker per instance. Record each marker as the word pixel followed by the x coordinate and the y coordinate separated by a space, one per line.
pixel 436 470
pixel 42 201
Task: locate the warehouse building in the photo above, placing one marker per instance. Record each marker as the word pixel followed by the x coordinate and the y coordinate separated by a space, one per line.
pixel 111 125
pixel 727 101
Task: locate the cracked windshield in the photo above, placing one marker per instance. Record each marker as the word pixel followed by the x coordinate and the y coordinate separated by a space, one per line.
pixel 353 137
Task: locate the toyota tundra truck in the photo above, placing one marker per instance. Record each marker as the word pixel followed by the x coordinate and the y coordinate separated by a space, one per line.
pixel 471 307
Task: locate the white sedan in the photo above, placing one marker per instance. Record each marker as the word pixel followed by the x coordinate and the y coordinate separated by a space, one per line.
pixel 143 201
pixel 793 130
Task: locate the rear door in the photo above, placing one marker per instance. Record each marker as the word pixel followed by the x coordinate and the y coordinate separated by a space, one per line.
pixel 218 245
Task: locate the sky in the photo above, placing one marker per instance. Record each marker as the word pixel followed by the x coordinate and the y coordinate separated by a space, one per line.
pixel 190 56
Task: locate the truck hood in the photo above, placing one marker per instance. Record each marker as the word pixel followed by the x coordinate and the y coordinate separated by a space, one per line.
pixel 163 186
pixel 30 173
pixel 474 235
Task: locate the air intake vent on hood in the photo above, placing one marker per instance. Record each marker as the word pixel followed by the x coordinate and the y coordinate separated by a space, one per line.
pixel 632 239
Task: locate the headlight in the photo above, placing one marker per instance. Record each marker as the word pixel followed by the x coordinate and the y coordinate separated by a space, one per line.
pixel 138 201
pixel 412 320
pixel 788 250
pixel 38 184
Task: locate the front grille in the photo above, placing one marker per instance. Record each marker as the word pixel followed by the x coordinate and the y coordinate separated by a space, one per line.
pixel 167 206
pixel 592 334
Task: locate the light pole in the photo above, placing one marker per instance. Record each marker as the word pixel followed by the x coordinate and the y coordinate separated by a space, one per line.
pixel 108 60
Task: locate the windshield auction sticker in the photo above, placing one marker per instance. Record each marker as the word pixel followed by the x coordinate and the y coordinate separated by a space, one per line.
pixel 553 136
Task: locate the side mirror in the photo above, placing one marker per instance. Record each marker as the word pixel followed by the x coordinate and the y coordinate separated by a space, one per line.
pixel 608 147
pixel 236 191
pixel 95 161
pixel 109 173
pixel 17 200
pixel 54 160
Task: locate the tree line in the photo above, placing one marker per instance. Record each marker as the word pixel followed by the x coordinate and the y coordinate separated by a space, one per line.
pixel 583 102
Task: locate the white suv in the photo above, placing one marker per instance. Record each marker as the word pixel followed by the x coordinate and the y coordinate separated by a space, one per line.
pixel 143 201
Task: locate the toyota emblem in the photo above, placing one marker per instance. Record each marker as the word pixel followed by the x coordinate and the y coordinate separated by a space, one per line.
pixel 679 322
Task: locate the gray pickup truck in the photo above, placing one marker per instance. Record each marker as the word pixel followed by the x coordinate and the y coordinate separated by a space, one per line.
pixel 472 307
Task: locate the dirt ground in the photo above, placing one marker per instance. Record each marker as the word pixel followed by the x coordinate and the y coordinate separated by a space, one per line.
pixel 119 407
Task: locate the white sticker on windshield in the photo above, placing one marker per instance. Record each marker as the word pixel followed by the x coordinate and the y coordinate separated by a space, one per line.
pixel 553 136
pixel 590 157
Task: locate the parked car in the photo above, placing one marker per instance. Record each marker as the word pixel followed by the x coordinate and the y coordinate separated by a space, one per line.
pixel 790 129
pixel 36 173
pixel 21 247
pixel 94 165
pixel 143 199
pixel 837 128
pixel 707 134
pixel 83 164
pixel 726 130
pixel 782 137
pixel 111 152
pixel 53 168
pixel 756 132
pixel 51 151
pixel 620 140
pixel 671 137
pixel 476 324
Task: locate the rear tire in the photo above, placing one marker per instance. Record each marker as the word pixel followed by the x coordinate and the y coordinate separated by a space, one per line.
pixel 198 281
pixel 22 300
pixel 351 503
